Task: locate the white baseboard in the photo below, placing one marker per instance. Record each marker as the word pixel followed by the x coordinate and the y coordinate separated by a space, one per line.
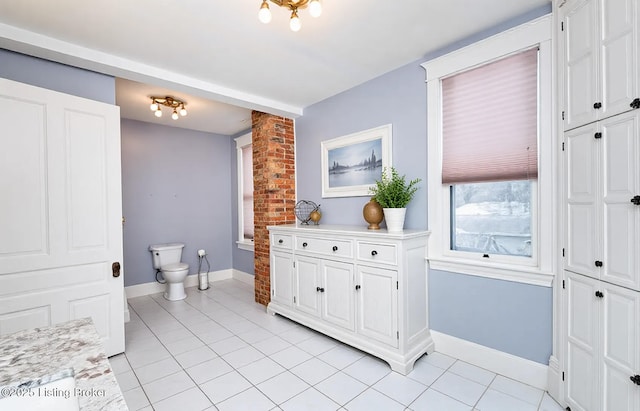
pixel 127 315
pixel 518 368
pixel 140 290
pixel 244 277
pixel 555 384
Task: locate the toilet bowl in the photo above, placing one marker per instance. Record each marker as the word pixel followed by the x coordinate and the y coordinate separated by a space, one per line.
pixel 174 275
pixel 166 259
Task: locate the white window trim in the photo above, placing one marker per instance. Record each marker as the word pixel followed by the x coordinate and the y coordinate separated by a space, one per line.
pixel 539 269
pixel 242 142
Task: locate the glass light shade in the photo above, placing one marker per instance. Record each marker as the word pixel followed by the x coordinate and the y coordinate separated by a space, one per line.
pixel 183 111
pixel 315 8
pixel 264 15
pixel 153 106
pixel 295 24
pixel 174 115
pixel 158 112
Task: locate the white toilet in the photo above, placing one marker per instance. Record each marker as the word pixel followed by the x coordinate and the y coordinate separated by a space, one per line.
pixel 166 259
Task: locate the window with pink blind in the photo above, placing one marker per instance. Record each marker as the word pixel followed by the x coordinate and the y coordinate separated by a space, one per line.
pixel 247 192
pixel 490 154
pixel 490 121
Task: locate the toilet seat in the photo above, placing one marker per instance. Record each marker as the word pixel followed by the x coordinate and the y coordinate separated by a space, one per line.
pixel 174 267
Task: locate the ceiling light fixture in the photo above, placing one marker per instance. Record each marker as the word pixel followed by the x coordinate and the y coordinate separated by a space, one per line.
pixel 170 102
pixel 315 9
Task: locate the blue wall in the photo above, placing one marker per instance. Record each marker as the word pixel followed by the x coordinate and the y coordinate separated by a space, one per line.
pixel 511 317
pixel 508 316
pixel 58 77
pixel 176 187
pixel 399 98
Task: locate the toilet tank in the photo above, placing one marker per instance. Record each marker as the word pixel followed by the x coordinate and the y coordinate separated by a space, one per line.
pixel 164 254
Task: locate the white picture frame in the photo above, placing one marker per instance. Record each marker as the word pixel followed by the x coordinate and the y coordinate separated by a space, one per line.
pixel 351 164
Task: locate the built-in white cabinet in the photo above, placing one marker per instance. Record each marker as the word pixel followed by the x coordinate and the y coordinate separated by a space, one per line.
pixel 365 288
pixel 603 360
pixel 602 169
pixel 601 43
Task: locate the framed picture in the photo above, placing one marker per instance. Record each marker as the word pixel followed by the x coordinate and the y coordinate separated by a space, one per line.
pixel 351 164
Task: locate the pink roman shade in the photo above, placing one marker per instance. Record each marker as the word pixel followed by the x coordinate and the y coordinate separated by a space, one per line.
pixel 247 191
pixel 490 121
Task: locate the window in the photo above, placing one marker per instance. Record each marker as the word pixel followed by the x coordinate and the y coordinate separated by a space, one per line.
pixel 490 156
pixel 245 192
pixel 490 133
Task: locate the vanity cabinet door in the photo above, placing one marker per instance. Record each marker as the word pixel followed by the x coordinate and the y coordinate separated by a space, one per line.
pixel 307 285
pixel 282 278
pixel 338 294
pixel 377 304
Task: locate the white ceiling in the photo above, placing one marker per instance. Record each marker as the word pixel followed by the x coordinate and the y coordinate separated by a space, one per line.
pixel 218 57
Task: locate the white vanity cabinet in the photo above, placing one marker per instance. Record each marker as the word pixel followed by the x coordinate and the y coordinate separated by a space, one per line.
pixel 365 288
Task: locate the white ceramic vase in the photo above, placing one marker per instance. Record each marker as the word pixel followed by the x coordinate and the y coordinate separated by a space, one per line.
pixel 395 219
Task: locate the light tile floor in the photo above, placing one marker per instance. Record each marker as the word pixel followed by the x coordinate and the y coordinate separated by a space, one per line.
pixel 219 350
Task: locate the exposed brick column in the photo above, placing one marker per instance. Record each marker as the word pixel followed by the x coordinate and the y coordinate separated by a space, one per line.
pixel 273 189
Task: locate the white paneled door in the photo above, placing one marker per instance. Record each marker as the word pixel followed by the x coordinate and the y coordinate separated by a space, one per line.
pixel 60 212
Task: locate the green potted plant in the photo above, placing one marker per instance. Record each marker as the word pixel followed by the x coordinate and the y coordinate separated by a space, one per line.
pixel 393 193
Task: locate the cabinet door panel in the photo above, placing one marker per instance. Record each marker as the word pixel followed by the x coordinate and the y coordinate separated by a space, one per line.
pixel 581 60
pixel 619 56
pixel 282 278
pixel 337 298
pixel 582 339
pixel 583 227
pixel 377 300
pixel 621 348
pixel 620 184
pixel 307 280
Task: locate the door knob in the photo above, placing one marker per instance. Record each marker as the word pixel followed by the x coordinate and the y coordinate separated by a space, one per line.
pixel 115 269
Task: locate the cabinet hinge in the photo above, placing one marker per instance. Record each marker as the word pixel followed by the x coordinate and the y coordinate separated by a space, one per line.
pixel 562 26
pixel 272 293
pixel 563 115
pixel 294 264
pixel 397 286
pixel 563 252
pixel 562 375
pixel 563 284
pixel 597 135
pixel 563 146
pixel 294 299
pixel 398 335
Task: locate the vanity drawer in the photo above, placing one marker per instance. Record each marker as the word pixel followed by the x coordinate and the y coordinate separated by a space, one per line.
pixel 376 252
pixel 325 246
pixel 282 241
